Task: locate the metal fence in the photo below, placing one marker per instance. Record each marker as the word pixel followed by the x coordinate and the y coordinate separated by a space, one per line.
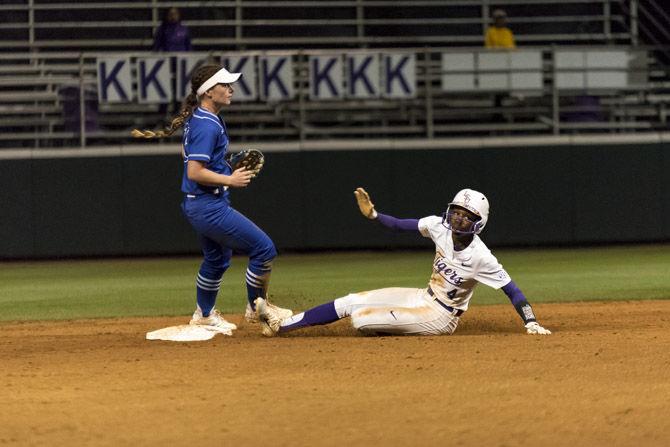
pixel 51 100
pixel 48 25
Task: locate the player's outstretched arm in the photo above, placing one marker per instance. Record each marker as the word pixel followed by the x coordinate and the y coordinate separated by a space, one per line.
pixel 524 310
pixel 367 209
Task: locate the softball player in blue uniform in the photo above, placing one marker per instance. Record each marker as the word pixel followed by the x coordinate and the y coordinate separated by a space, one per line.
pixel 206 181
pixel 462 260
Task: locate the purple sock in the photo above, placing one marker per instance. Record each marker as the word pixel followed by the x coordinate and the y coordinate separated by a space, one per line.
pixel 322 314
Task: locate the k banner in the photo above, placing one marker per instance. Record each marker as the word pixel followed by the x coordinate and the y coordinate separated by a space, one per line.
pixel 161 79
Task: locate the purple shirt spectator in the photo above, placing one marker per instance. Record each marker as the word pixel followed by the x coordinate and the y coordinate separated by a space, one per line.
pixel 172 35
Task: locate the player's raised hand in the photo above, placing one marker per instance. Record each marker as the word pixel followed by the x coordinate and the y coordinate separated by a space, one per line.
pixel 240 178
pixel 365 204
pixel 533 328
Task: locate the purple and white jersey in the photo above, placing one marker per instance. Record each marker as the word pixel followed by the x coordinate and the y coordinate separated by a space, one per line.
pixel 456 273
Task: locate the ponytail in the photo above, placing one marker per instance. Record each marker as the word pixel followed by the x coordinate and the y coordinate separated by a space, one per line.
pixel 187 107
pixel 201 74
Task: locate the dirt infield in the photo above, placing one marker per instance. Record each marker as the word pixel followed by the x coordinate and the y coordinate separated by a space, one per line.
pixel 600 380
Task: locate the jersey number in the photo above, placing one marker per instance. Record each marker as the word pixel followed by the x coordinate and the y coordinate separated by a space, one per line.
pixel 452 294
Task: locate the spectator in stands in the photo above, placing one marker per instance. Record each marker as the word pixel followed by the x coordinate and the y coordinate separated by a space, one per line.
pixel 499 35
pixel 172 35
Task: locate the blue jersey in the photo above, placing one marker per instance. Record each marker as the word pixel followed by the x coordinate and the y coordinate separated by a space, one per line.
pixel 205 140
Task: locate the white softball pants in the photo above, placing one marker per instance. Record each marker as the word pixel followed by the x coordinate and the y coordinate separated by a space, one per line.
pixel 398 311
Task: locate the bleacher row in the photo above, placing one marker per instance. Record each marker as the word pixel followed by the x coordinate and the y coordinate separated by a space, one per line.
pixel 48 25
pixel 48 89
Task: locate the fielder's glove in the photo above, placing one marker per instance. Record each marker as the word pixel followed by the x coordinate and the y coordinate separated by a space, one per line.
pixel 365 204
pixel 250 159
pixel 534 328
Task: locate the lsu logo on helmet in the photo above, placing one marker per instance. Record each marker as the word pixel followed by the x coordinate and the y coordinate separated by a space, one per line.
pixel 475 202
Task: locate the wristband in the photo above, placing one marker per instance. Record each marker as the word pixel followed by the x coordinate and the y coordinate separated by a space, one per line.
pixel 525 311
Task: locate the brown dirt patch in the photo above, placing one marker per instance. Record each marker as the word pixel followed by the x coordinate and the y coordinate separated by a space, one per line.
pixel 600 380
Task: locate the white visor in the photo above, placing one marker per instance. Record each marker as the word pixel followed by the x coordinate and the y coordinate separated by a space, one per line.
pixel 222 76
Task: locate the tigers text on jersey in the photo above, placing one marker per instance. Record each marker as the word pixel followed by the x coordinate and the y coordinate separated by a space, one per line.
pixel 206 140
pixel 456 273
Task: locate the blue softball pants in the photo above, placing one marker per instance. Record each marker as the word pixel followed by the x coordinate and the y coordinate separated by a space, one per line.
pixel 221 229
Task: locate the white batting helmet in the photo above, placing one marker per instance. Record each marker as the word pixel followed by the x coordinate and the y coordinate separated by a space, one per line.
pixel 475 202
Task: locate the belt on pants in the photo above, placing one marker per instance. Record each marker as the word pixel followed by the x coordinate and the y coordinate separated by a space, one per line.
pixel 456 312
pixel 215 192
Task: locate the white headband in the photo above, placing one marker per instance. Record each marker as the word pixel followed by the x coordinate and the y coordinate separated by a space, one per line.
pixel 222 76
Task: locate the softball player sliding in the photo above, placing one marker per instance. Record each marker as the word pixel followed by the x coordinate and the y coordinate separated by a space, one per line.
pixel 206 179
pixel 461 261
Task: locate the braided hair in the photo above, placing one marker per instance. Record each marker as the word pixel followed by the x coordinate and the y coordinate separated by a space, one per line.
pixel 200 75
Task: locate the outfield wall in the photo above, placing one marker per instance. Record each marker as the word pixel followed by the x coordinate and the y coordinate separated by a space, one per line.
pixel 125 201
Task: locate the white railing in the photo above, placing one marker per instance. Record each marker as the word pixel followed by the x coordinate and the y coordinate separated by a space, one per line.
pixel 51 100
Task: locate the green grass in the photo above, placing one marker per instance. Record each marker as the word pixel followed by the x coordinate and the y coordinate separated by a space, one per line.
pixel 139 287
